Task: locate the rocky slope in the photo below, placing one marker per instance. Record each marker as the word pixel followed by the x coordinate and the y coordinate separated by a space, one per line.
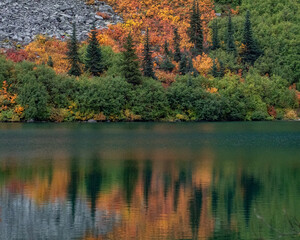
pixel 22 20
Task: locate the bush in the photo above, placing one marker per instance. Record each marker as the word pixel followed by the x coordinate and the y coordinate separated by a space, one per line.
pixel 108 95
pixel 34 98
pixel 149 100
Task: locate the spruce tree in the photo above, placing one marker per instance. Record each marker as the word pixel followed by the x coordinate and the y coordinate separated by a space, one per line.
pixel 190 66
pixel 177 53
pixel 50 62
pixel 251 51
pixel 167 64
pixel 195 31
pixel 130 65
pixel 215 37
pixel 183 65
pixel 94 61
pixel 230 45
pixel 72 54
pixel 147 61
pixel 214 70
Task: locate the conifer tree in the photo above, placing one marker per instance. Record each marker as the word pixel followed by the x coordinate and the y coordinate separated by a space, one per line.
pixel 195 31
pixel 251 51
pixel 147 61
pixel 190 66
pixel 230 45
pixel 167 64
pixel 177 53
pixel 183 65
pixel 130 65
pixel 214 70
pixel 72 54
pixel 50 62
pixel 215 37
pixel 94 61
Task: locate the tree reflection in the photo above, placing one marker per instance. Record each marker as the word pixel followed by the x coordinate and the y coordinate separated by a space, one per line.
pixel 93 179
pixel 130 178
pixel 251 188
pixel 147 175
pixel 195 206
pixel 73 184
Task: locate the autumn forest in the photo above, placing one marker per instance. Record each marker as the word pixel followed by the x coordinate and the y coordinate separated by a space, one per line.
pixel 168 60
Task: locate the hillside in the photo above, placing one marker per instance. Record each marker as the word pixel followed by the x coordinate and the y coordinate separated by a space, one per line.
pixel 223 60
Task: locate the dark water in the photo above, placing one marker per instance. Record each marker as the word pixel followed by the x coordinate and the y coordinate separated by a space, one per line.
pixel 150 181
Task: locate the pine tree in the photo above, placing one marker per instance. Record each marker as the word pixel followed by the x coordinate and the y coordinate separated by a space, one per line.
pixel 167 64
pixel 215 37
pixel 147 61
pixel 190 66
pixel 195 31
pixel 214 70
pixel 50 62
pixel 94 61
pixel 230 45
pixel 183 65
pixel 177 54
pixel 130 65
pixel 72 54
pixel 251 50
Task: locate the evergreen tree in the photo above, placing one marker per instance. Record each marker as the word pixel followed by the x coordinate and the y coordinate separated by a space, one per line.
pixel 215 37
pixel 72 54
pixel 177 54
pixel 251 51
pixel 50 62
pixel 195 31
pixel 214 70
pixel 130 65
pixel 147 61
pixel 230 45
pixel 94 61
pixel 190 66
pixel 183 65
pixel 167 64
pixel 222 69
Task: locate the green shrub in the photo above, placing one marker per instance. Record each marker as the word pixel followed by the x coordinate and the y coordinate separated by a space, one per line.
pixel 34 98
pixel 149 100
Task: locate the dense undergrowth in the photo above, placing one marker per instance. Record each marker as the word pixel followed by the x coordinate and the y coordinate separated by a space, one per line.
pixel 36 92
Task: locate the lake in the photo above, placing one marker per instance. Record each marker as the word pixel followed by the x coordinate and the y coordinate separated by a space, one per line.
pixel 237 180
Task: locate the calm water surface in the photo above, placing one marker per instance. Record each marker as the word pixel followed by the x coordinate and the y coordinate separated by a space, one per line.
pixel 150 181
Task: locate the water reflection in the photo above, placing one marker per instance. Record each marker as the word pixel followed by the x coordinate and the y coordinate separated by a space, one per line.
pixel 212 193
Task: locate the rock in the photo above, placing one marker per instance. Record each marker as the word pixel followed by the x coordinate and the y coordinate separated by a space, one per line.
pixel 22 20
pixel 30 121
pixel 98 17
pixel 91 121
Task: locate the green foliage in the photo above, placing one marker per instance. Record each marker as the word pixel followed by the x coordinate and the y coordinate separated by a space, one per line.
pixel 195 30
pixel 34 98
pixel 167 64
pixel 215 36
pixel 6 68
pixel 108 95
pixel 149 100
pixel 230 45
pixel 129 64
pixel 183 65
pixel 147 58
pixel 93 60
pixel 50 62
pixel 250 53
pixel 176 42
pixel 72 54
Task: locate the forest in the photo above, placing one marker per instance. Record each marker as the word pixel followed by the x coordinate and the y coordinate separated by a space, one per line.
pixel 180 60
